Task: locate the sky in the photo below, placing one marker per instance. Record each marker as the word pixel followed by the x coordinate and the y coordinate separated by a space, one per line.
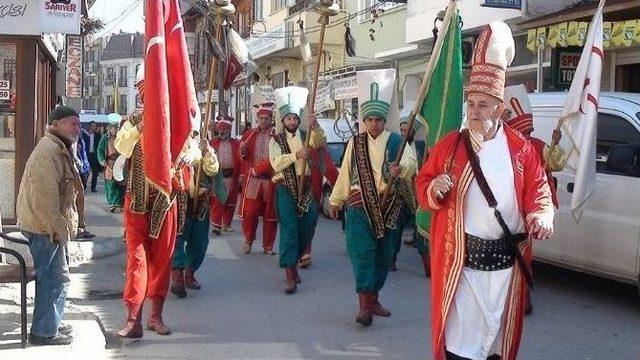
pixel 125 15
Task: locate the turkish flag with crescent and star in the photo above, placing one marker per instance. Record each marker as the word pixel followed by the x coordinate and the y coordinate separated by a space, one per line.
pixel 170 105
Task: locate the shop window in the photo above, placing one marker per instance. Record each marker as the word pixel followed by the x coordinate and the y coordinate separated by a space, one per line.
pixel 7 129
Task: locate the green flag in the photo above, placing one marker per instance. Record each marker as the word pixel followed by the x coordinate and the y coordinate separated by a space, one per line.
pixel 442 106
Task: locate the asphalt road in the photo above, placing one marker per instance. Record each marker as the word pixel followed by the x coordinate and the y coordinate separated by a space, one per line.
pixel 242 312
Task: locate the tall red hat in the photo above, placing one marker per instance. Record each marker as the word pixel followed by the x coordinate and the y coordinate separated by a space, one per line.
pixel 493 53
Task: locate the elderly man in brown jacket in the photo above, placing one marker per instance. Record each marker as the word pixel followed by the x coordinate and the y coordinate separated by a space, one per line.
pixel 48 217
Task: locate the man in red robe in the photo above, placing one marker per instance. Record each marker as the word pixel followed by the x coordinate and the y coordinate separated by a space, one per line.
pixel 228 151
pixel 489 197
pixel 258 194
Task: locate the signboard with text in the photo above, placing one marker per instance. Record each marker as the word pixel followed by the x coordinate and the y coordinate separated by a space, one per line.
pixel 74 67
pixel 345 88
pixel 564 63
pixel 5 90
pixel 267 42
pixel 324 102
pixel 29 17
pixel 60 16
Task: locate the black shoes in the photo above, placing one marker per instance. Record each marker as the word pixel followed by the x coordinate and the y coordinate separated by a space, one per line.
pixel 59 339
pixel 65 329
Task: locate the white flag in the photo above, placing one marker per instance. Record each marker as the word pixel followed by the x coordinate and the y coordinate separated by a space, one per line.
pixel 580 114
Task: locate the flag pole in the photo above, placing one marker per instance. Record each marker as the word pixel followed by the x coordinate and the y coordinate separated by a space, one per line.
pixel 422 93
pixel 204 125
pixel 325 12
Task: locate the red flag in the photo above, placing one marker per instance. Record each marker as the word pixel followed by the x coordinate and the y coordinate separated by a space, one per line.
pixel 182 93
pixel 157 133
pixel 171 103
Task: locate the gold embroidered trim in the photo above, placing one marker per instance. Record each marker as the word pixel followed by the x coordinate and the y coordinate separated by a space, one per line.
pixel 183 200
pixel 290 178
pixel 137 183
pixel 159 210
pixel 370 198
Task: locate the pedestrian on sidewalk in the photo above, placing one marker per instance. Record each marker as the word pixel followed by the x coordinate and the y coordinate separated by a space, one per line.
pixel 82 165
pixel 107 155
pixel 297 216
pixel 193 233
pixel 48 218
pixel 91 139
pixel 367 168
pixel 489 198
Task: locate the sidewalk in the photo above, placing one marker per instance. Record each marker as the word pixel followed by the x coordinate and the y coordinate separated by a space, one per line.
pixel 91 278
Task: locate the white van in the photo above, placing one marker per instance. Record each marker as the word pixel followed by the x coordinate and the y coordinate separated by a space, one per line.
pixel 338 134
pixel 606 242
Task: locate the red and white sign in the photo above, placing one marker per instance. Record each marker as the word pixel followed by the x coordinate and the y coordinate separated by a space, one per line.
pixel 30 17
pixel 60 16
pixel 74 67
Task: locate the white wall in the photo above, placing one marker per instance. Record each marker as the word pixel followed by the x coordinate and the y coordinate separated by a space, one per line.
pixel 421 13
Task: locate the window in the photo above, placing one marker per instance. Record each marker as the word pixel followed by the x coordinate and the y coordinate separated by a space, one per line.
pixel 123 105
pixel 280 4
pixel 7 129
pixel 109 76
pixel 277 81
pixel 108 106
pixel 257 10
pixel 612 130
pixel 122 76
pixel 371 5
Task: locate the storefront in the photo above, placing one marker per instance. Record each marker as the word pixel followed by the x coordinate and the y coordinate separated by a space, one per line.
pixel 28 69
pixel 27 94
pixel 548 49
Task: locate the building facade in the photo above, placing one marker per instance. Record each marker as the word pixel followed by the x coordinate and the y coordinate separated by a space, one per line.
pixel 118 66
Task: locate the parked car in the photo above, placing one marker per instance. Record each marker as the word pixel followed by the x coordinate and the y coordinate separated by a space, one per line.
pixel 606 242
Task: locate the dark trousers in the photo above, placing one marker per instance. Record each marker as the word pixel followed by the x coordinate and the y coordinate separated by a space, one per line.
pixel 84 177
pixel 95 169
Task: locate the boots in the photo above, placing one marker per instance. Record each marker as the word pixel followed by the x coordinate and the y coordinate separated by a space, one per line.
pixel 290 274
pixel 155 322
pixel 298 279
pixel 190 280
pixel 377 309
pixel 177 283
pixel 133 327
pixel 365 315
pixel 426 263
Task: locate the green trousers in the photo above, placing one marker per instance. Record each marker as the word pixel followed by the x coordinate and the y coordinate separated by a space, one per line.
pixel 191 245
pixel 295 231
pixel 370 257
pixel 114 193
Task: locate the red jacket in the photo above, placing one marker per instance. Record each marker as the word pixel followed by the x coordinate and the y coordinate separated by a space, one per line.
pixel 447 230
pixel 234 182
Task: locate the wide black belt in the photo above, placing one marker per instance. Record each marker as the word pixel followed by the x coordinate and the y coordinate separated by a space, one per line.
pixel 490 255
